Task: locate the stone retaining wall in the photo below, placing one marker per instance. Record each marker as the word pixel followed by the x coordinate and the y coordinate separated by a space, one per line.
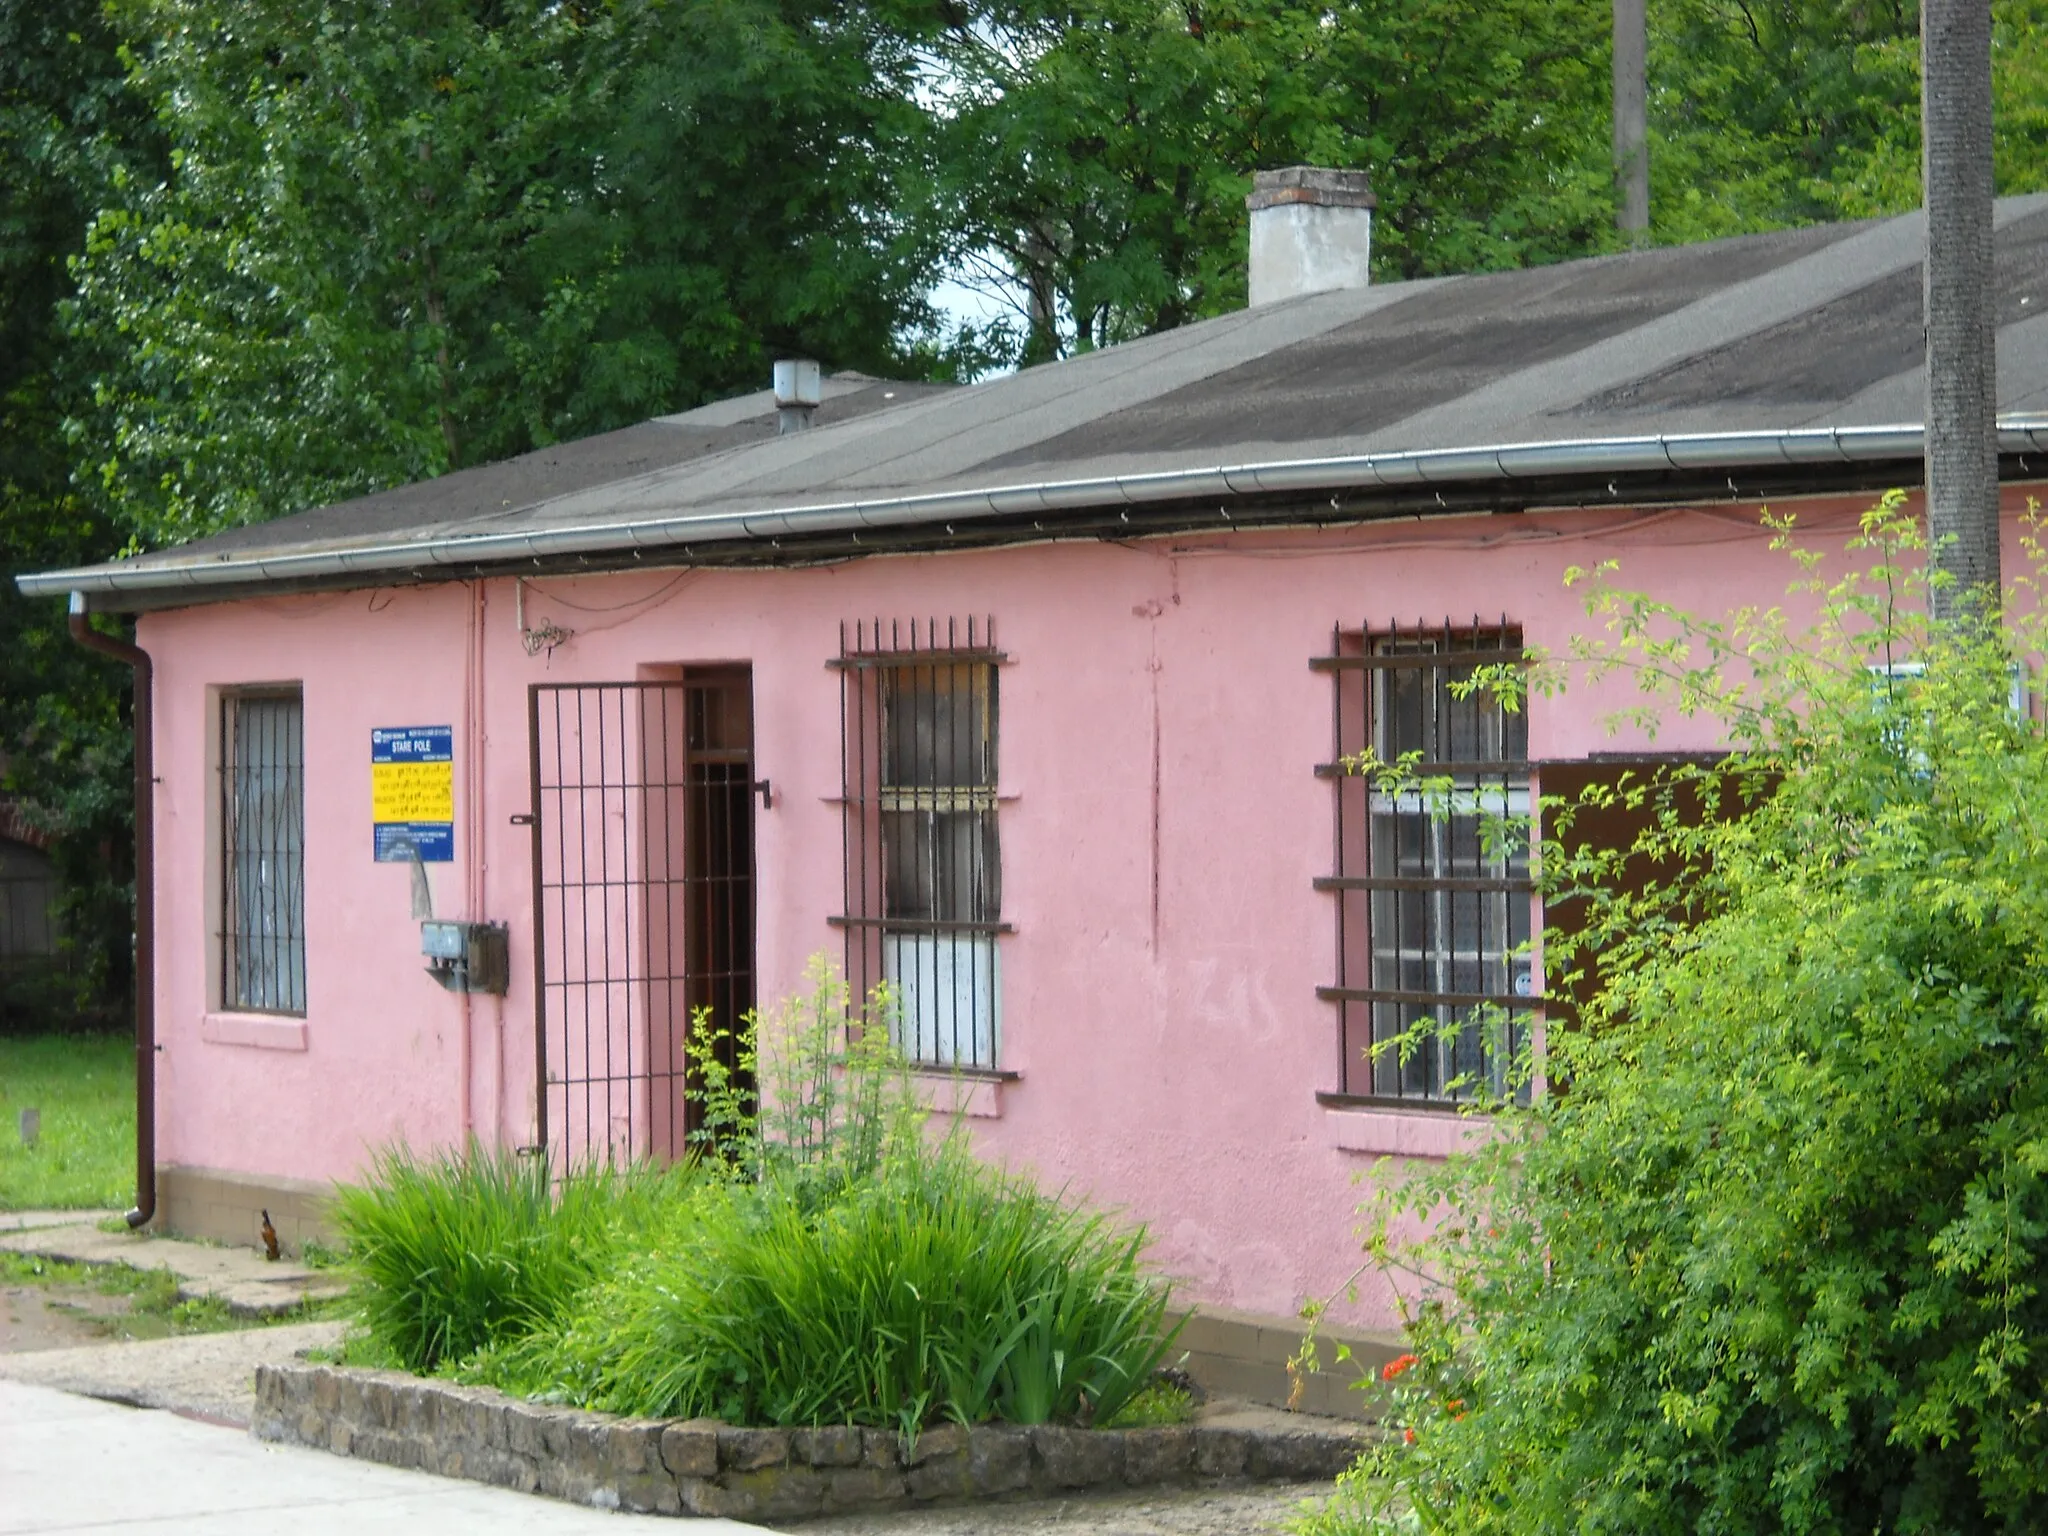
pixel 701 1467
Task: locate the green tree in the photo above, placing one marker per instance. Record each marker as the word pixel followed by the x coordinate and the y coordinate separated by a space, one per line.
pixel 399 239
pixel 1095 159
pixel 67 129
pixel 1771 1260
pixel 1769 113
pixel 1092 159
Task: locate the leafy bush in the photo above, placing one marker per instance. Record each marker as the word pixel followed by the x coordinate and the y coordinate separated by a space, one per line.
pixel 460 1251
pixel 810 1096
pixel 1772 1261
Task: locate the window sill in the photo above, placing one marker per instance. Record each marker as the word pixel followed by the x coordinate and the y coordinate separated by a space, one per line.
pixel 263 1031
pixel 1401 1132
pixel 975 1092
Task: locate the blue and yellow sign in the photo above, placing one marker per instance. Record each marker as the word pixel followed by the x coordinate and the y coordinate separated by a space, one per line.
pixel 412 793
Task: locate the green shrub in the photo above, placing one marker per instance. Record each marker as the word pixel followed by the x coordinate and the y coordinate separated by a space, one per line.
pixel 937 1288
pixel 459 1251
pixel 1772 1262
pixel 823 1264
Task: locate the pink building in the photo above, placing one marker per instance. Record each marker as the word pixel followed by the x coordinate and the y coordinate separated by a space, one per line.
pixel 1020 697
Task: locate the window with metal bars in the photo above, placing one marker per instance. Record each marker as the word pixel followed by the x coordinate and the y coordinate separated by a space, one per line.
pixel 263 852
pixel 923 864
pixel 1434 899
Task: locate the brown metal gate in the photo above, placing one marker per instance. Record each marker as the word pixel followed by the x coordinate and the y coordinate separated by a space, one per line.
pixel 643 879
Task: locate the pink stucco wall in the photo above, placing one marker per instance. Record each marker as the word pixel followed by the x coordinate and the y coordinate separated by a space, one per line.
pixel 1160 830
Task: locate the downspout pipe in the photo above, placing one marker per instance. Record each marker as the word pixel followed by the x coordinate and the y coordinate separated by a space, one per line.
pixel 137 659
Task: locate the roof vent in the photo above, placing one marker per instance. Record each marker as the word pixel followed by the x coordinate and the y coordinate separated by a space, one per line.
pixel 799 386
pixel 1311 231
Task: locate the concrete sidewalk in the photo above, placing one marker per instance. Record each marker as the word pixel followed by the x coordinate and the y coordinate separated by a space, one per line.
pixel 210 1375
pixel 251 1285
pixel 72 1464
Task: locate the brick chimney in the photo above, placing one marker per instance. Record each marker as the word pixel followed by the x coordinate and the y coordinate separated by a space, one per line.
pixel 1311 231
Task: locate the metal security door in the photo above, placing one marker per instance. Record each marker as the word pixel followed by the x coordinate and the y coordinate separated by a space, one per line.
pixel 643 878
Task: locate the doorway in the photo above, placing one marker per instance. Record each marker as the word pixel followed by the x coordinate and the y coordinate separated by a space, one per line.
pixel 643 880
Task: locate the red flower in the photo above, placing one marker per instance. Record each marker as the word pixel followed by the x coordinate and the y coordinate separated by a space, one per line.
pixel 1396 1366
pixel 1407 1437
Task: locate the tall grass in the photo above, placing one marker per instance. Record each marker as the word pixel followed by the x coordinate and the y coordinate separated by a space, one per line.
pixel 460 1251
pixel 940 1288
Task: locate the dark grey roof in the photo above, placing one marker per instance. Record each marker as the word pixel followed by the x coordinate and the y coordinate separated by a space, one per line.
pixel 1800 348
pixel 585 464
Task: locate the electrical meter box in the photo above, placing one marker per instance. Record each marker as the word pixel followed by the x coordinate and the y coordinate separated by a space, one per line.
pixel 468 957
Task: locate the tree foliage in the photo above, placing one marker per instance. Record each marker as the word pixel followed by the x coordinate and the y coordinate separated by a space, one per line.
pixel 1093 159
pixel 1768 113
pixel 67 128
pixel 1098 156
pixel 400 239
pixel 1770 1260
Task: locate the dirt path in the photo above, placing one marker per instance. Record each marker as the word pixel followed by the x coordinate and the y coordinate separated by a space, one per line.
pixel 34 1317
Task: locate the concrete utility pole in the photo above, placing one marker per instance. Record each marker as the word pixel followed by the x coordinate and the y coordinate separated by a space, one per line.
pixel 1962 373
pixel 1631 116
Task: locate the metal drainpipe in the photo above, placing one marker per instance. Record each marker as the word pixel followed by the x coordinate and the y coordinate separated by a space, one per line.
pixel 136 658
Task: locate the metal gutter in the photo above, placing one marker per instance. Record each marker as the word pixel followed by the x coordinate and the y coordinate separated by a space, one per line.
pixel 145 899
pixel 1354 473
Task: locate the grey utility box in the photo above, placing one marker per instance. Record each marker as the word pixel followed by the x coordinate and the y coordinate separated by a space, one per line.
pixel 468 957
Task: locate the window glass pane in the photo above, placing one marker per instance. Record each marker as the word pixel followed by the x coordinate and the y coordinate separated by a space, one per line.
pixel 907 875
pixel 948 1007
pixel 938 726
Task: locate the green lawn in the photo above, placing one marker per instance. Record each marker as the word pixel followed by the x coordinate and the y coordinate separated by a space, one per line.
pixel 85 1087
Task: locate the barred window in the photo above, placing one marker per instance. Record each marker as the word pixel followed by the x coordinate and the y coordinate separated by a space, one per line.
pixel 263 852
pixel 1434 905
pixel 923 864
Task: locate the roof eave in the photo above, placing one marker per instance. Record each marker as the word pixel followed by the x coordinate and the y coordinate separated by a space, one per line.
pixel 174 583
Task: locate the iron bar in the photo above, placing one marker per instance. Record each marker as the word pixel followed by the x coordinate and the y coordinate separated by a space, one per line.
pixel 1417 883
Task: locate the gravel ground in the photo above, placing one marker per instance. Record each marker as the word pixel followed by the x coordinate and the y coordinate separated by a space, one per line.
pixel 1260 1511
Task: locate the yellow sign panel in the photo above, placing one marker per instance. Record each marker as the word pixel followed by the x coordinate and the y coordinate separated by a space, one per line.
pixel 412 792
